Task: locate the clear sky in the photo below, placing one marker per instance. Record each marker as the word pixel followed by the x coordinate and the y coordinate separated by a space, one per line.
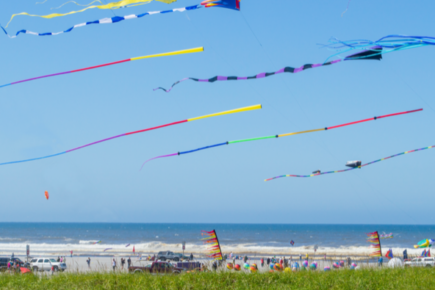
pixel 103 183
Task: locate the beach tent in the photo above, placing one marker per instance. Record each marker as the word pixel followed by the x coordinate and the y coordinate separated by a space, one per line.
pixel 395 263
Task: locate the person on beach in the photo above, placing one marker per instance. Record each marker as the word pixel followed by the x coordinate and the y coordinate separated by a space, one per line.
pixel 300 257
pixel 191 256
pixel 58 259
pixel 245 259
pixel 89 262
pixel 9 267
pixel 349 261
pixel 262 262
pixel 114 264
pixel 214 265
pixel 122 263
pixel 61 259
pixel 129 262
pixel 52 270
pixel 268 261
pixel 380 261
pixel 71 253
pixel 306 257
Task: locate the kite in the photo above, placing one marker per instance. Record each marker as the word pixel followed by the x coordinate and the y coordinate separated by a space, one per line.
pixel 98 242
pixel 387 236
pixel 373 238
pixel 46 195
pixel 250 108
pixel 107 249
pixel 367 50
pixel 389 254
pixel 278 136
pixel 229 4
pixel 292 243
pixel 425 243
pixel 192 50
pixel 213 245
pixel 127 245
pixel 358 167
pixel 111 6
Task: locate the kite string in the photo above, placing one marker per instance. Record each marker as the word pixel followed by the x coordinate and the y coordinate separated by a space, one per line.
pixel 346 8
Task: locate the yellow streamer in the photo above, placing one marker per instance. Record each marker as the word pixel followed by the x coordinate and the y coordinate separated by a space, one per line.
pixel 255 107
pixel 113 5
pixel 301 132
pixel 192 50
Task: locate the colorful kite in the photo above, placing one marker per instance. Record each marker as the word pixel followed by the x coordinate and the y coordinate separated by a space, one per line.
pixel 375 246
pixel 359 167
pixel 111 6
pixel 98 242
pixel 389 254
pixel 425 243
pixel 366 50
pixel 46 195
pixel 213 246
pixel 387 236
pixel 250 108
pixel 278 136
pixel 229 4
pixel 107 249
pixel 192 50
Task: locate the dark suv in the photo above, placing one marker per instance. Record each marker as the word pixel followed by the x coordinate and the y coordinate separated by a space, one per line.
pixel 4 263
pixel 163 256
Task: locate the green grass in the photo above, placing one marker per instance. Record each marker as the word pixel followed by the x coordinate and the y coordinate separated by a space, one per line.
pixel 410 278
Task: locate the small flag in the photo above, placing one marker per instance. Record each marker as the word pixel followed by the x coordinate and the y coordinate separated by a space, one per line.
pixel 423 254
pixel 389 254
pixel 292 243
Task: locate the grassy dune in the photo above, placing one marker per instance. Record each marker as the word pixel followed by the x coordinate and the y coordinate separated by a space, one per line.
pixel 410 278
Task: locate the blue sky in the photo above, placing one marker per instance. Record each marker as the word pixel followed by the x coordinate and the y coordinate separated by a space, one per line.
pixel 103 183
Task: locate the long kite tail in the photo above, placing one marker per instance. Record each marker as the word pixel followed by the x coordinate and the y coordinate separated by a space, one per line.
pixel 344 170
pixel 282 135
pixel 186 51
pixel 239 110
pixel 258 76
pixel 102 21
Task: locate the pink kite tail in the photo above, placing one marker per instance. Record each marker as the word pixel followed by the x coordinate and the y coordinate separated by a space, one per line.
pixel 163 156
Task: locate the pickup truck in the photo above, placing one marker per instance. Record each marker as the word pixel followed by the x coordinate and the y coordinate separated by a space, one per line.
pixel 421 262
pixel 171 256
pixel 156 268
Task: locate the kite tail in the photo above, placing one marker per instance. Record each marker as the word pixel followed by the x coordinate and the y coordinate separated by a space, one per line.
pixel 176 83
pixel 258 76
pixel 162 156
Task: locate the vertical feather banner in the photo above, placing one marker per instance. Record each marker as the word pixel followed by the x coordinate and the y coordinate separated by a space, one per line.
pixel 375 246
pixel 213 246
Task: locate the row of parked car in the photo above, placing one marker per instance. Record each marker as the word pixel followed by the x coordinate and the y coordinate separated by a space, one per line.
pixel 36 264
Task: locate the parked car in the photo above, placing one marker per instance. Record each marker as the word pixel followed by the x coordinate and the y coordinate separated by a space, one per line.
pixel 163 256
pixel 5 260
pixel 421 262
pixel 45 264
pixel 156 268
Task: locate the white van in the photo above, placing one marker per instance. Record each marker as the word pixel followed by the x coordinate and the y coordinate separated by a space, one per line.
pixel 45 264
pixel 421 262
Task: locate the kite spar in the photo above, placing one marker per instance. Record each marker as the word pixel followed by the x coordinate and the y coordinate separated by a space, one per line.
pixel 192 50
pixel 353 168
pixel 250 108
pixel 281 135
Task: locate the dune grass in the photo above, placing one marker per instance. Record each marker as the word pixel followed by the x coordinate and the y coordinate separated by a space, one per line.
pixel 409 278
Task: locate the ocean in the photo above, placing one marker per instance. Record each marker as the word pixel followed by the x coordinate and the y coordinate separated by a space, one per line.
pixel 262 239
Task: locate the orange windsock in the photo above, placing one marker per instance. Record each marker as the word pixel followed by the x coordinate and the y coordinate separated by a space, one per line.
pixel 46 195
